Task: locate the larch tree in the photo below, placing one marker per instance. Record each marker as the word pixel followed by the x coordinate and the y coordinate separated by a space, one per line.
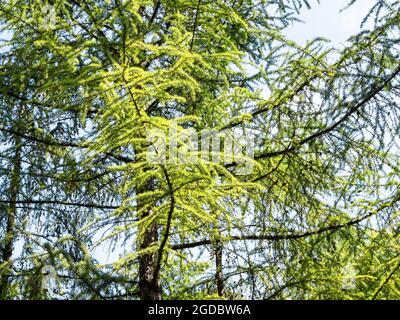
pixel 217 157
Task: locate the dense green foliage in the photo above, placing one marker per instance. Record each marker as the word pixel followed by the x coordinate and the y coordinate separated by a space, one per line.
pixel 82 82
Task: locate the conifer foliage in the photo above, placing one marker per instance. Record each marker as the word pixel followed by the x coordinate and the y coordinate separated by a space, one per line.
pixel 89 88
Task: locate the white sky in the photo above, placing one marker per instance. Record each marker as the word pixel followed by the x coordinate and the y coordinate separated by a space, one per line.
pixel 326 20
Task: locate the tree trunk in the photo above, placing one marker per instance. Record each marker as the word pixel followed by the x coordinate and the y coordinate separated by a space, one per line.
pixel 11 214
pixel 149 288
pixel 218 269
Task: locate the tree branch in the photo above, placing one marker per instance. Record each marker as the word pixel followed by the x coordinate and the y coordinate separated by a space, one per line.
pixel 376 88
pixel 288 236
pixel 77 204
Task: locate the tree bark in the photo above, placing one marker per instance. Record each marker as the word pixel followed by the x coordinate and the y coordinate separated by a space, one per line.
pixel 149 288
pixel 11 212
pixel 218 269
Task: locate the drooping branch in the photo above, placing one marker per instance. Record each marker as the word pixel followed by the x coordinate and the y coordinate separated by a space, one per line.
pixel 57 143
pixel 375 89
pixel 195 24
pixel 386 280
pixel 291 235
pixel 65 203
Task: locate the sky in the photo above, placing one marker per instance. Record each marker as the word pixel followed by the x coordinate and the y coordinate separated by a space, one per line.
pixel 326 20
pixel 322 20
